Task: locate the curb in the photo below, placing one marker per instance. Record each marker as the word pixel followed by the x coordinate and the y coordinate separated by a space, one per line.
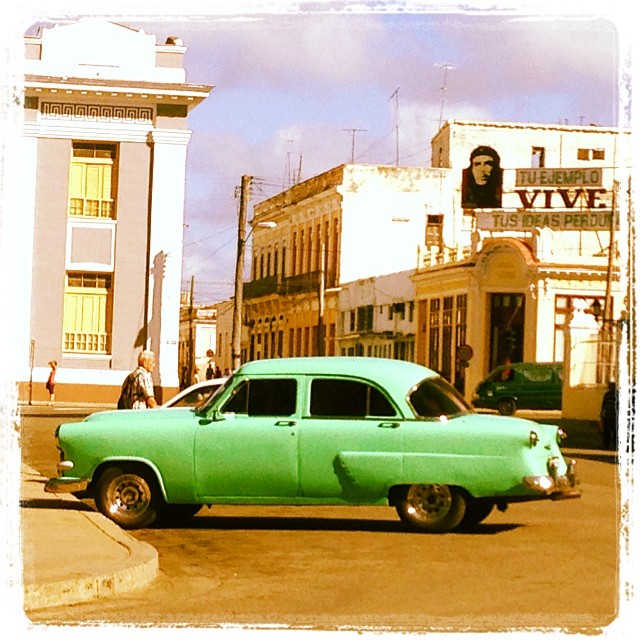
pixel 140 568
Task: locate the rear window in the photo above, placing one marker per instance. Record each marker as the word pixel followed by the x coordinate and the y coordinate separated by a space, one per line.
pixel 335 398
pixel 435 397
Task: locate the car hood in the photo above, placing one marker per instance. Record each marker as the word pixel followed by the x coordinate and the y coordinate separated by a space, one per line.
pixel 128 415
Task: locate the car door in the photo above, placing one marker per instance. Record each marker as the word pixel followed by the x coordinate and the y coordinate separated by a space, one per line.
pixel 250 448
pixel 350 440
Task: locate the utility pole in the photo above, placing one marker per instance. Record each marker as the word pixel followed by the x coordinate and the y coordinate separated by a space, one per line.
pixel 606 312
pixel 353 141
pixel 236 331
pixel 192 358
pixel 321 275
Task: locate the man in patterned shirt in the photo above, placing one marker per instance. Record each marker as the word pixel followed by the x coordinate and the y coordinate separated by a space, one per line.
pixel 137 389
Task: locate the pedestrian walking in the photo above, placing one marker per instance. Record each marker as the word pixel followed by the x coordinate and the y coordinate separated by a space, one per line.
pixel 51 382
pixel 137 389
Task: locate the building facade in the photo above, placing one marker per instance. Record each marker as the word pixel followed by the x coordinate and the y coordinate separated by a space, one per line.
pixel 197 345
pixel 376 317
pixel 545 249
pixel 103 152
pixel 347 224
pixel 504 262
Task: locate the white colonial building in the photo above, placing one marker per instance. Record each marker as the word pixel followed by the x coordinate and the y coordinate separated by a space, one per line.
pixel 102 176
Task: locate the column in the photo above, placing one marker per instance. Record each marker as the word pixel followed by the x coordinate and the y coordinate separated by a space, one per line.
pixel 169 154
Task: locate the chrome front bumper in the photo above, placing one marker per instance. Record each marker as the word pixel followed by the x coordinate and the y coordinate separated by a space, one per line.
pixel 64 485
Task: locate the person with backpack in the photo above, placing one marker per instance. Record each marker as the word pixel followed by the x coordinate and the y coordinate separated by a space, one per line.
pixel 137 389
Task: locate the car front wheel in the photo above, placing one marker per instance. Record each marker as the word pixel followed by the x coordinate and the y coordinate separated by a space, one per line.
pixel 433 508
pixel 128 496
pixel 506 406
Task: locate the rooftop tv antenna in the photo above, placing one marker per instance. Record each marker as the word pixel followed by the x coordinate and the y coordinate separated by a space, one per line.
pixel 443 89
pixel 353 141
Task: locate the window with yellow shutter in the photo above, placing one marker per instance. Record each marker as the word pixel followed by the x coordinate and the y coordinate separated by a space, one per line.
pixel 87 313
pixel 92 180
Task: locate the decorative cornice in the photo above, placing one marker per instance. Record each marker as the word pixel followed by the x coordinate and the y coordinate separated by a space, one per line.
pixel 96 113
pixel 169 136
pixel 87 130
pixel 102 85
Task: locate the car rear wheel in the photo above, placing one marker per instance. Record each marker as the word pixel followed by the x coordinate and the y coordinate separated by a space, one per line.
pixel 506 406
pixel 128 496
pixel 433 508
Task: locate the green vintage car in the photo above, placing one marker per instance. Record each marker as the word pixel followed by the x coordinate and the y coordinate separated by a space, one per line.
pixel 315 431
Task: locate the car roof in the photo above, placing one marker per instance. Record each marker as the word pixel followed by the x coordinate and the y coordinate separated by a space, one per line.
pixel 383 370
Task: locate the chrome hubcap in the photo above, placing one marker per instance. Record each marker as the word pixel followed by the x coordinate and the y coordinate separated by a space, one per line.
pixel 130 495
pixel 429 502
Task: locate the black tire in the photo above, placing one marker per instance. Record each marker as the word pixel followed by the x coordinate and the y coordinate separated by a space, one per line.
pixel 129 496
pixel 176 513
pixel 506 406
pixel 475 513
pixel 432 508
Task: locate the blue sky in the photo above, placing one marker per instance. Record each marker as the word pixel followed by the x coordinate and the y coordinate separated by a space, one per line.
pixel 291 82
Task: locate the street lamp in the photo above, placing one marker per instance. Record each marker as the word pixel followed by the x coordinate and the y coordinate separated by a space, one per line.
pixel 236 330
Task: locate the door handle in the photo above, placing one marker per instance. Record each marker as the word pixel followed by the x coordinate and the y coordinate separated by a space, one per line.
pixel 389 425
pixel 286 423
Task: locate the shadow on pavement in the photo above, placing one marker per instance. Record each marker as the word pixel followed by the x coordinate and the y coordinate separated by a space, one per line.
pixel 53 503
pixel 262 523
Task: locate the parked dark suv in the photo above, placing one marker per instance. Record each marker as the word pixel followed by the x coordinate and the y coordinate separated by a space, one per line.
pixel 521 385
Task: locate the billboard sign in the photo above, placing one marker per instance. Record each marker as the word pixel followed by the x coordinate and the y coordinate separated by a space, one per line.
pixel 527 220
pixel 590 177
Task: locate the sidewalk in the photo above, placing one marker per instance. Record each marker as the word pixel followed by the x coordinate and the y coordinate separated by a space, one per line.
pixel 73 554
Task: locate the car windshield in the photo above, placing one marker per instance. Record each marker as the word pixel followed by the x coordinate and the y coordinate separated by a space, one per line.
pixel 435 397
pixel 204 404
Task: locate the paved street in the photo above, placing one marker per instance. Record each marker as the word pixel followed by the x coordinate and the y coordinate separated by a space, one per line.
pixel 544 565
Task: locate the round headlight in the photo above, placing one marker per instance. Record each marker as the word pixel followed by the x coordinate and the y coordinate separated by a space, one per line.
pixel 561 435
pixel 533 438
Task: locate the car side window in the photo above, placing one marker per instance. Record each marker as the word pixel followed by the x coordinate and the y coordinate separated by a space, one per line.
pixel 336 398
pixel 263 397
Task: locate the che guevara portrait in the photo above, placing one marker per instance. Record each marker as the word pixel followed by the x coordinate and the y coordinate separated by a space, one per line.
pixel 482 180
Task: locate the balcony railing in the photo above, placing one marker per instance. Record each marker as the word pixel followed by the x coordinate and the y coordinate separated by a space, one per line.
pixel 262 287
pixel 301 283
pixel 86 342
pixel 432 256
